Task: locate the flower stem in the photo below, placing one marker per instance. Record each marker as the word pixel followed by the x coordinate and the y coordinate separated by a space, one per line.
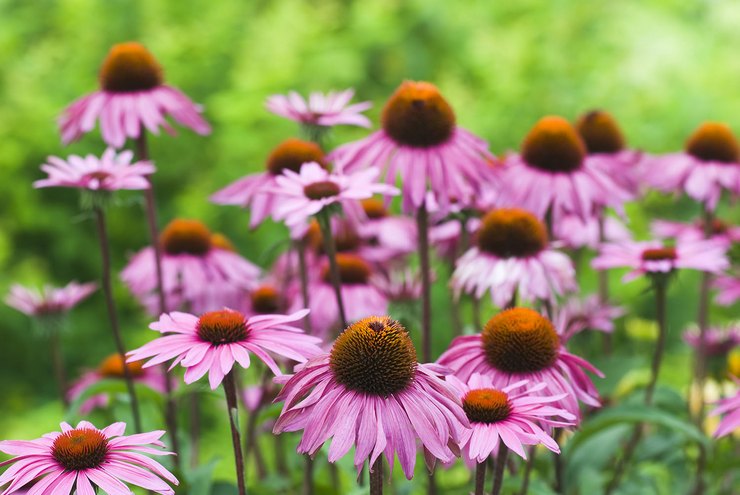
pixel 498 475
pixel 558 464
pixel 480 478
pixel 308 476
pixel 251 445
pixel 376 477
pixel 422 225
pixel 331 252
pixel 300 245
pixel 142 151
pixel 603 279
pixel 57 360
pixel 233 409
pixel 112 316
pixel 528 470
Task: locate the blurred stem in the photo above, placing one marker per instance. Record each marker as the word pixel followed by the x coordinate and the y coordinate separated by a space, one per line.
pixel 280 462
pixel 603 279
pixel 251 445
pixel 528 470
pixel 376 477
pixel 300 246
pixel 142 151
pixel 324 219
pixel 308 476
pixel 422 224
pixel 194 429
pixel 112 314
pixel 462 246
pixel 480 478
pixel 232 406
pixel 498 475
pixel 558 464
pixel 57 360
pixel 477 321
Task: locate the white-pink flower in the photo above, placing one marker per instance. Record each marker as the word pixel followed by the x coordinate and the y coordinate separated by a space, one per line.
pixel 325 110
pixel 49 300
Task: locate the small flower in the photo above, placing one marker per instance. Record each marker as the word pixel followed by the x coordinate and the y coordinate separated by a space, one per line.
pixel 84 459
pixel 447 236
pixel 663 229
pixel 717 341
pixel 730 408
pixel 709 164
pixel 132 97
pixel 555 173
pixel 309 191
pixel 511 256
pixel 49 300
pixel 110 172
pixel 369 392
pixel 399 285
pixel 198 269
pixel 521 344
pixel 577 232
pixel 325 110
pixel 511 415
pixel 728 287
pixel 112 368
pixel 576 315
pixel 213 342
pixel 653 257
pixel 385 237
pixel 421 142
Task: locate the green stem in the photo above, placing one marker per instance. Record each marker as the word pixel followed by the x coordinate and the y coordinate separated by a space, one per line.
pixel 331 252
pixel 422 223
pixel 233 410
pixel 480 478
pixel 376 477
pixel 498 475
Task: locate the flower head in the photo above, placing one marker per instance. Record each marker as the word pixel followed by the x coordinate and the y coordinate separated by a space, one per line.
pixel 730 408
pixel 111 172
pixel 132 97
pixel 49 300
pixel 663 229
pixel 513 415
pixel 212 342
pixel 369 392
pixel 728 287
pixel 511 256
pixel 717 341
pixel 576 315
pixel 421 142
pixel 521 344
pixel 82 459
pixel 324 110
pixel 654 257
pixel 575 232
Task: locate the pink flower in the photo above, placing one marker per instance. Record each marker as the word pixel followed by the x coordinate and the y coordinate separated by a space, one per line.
pixel 577 232
pixel 369 392
pixel 520 344
pixel 254 191
pixel 399 285
pixel 110 172
pixel 554 173
pixel 386 237
pixel 709 165
pixel 320 110
pixel 576 315
pixel 309 191
pixel 198 270
pixel 421 143
pixel 730 407
pixel 663 229
pixel 446 236
pixel 511 256
pixel 213 342
pixel 132 97
pixel 112 368
pixel 728 287
pixel 512 415
pixel 717 341
pixel 49 300
pixel 653 257
pixel 80 460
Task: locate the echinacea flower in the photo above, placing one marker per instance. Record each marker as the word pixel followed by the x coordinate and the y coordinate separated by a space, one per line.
pixel 654 257
pixel 446 237
pixel 399 285
pixel 111 172
pixel 717 341
pixel 112 368
pixel 213 342
pixel 49 300
pixel 323 110
pixel 575 315
pixel 574 231
pixel 385 237
pixel 84 459
pixel 197 269
pixel 709 164
pixel 307 192
pixel 663 229
pixel 728 288
pixel 554 172
pixel 511 256
pixel 132 97
pixel 730 408
pixel 421 143
pixel 370 392
pixel 254 191
pixel 515 415
pixel 521 344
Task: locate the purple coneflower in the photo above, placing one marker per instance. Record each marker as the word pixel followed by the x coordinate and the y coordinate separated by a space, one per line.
pixel 728 288
pixel 49 300
pixel 321 110
pixel 576 232
pixel 575 315
pixel 730 408
pixel 663 229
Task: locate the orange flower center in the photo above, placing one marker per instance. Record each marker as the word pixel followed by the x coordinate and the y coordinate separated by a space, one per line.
pixel 130 67
pixel 553 145
pixel 222 327
pixel 486 405
pixel 511 232
pixel 321 190
pixel 220 241
pixel 374 356
pixel 291 154
pixel 265 300
pixel 184 236
pixel 417 115
pixel 113 366
pixel 346 238
pixel 520 340
pixel 659 254
pixel 352 269
pixel 714 142
pixel 600 132
pixel 374 208
pixel 80 449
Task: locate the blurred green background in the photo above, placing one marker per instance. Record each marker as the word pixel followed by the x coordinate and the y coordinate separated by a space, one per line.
pixel 661 67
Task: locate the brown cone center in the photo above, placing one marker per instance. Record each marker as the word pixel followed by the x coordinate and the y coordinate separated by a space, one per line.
pixel 486 405
pixel 113 367
pixel 511 233
pixel 184 236
pixel 265 300
pixel 291 154
pixel 352 269
pixel 130 67
pixel 80 449
pixel 222 327
pixel 714 142
pixel 417 115
pixel 659 254
pixel 553 145
pixel 600 132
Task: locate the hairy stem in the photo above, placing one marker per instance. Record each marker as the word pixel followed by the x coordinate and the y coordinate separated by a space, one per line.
pixel 376 477
pixel 480 478
pixel 233 409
